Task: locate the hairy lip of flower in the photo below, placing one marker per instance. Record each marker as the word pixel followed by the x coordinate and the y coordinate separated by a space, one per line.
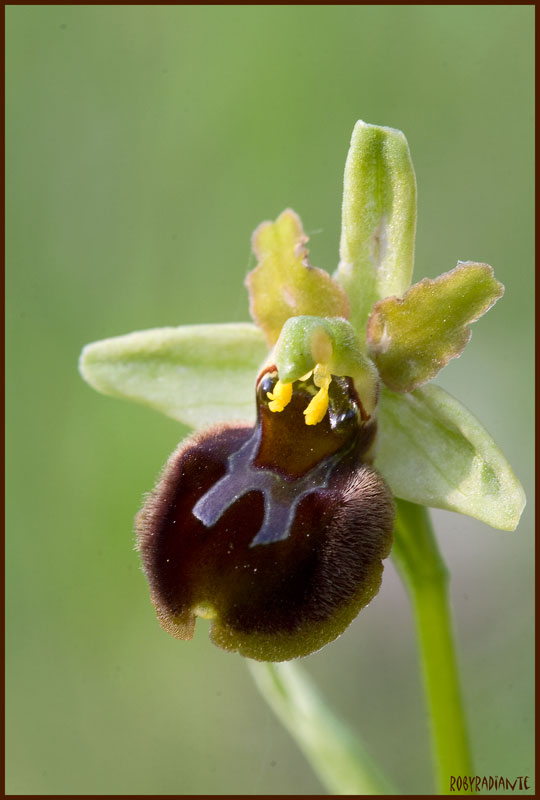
pixel 275 533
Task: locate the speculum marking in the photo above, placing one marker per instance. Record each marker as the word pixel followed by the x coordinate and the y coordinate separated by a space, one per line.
pixel 281 496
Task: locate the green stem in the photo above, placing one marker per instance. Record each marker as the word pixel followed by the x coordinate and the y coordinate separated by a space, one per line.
pixel 419 562
pixel 337 755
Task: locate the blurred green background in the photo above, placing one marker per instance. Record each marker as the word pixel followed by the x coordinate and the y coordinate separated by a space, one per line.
pixel 144 144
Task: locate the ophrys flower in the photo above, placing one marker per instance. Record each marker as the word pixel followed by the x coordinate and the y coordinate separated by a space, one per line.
pixel 276 531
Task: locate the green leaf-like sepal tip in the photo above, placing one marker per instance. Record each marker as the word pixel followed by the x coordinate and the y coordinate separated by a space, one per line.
pixel 432 451
pixel 307 341
pixel 412 338
pixel 196 374
pixel 283 284
pixel 378 223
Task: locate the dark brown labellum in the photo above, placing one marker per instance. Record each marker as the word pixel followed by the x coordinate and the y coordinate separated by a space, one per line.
pixel 274 532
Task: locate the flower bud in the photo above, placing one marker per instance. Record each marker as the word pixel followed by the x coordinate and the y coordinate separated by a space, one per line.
pixel 276 533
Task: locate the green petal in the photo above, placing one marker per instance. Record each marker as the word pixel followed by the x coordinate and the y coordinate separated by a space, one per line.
pixel 433 452
pixel 283 284
pixel 412 338
pixel 378 219
pixel 196 374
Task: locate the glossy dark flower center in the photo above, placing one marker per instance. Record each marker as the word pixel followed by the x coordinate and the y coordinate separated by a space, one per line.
pixel 285 459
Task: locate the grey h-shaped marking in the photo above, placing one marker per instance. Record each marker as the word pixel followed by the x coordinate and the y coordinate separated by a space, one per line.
pixel 281 497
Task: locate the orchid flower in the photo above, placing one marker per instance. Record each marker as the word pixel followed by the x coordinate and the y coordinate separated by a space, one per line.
pixel 313 424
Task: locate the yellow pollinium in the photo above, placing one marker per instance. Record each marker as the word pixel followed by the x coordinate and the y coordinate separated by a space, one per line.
pixel 318 407
pixel 314 413
pixel 280 397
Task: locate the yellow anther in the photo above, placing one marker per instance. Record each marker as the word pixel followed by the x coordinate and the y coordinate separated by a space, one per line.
pixel 318 407
pixel 280 396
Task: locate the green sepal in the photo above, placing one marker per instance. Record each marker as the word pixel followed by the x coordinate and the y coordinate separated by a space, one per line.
pixel 413 338
pixel 378 223
pixel 306 341
pixel 283 284
pixel 434 452
pixel 196 374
